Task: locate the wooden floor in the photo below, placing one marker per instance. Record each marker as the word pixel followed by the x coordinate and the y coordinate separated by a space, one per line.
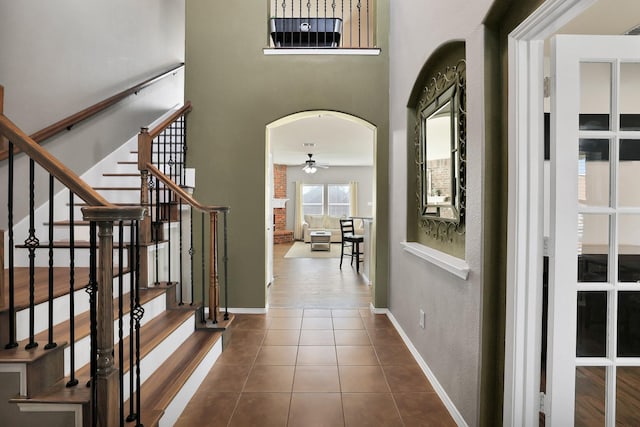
pixel 319 357
pixel 316 282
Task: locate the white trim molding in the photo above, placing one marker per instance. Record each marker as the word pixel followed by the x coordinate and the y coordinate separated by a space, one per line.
pixel 437 387
pixel 21 370
pixel 339 52
pixel 76 409
pixel 456 266
pixel 525 205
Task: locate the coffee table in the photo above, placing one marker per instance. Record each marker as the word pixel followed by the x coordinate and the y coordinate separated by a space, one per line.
pixel 320 240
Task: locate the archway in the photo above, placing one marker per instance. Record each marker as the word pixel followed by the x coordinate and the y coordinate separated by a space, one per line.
pixel 343 146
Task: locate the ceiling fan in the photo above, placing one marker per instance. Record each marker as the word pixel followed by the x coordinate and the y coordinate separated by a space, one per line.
pixel 310 165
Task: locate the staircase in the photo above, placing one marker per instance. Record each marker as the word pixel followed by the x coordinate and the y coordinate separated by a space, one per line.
pixel 99 324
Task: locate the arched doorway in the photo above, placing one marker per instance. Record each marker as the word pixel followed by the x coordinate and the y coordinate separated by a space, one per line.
pixel 342 147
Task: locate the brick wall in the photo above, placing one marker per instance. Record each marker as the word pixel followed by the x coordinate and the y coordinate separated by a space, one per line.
pixel 280 233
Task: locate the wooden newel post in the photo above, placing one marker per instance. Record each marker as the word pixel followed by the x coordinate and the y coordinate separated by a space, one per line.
pixel 144 157
pixel 214 284
pixel 106 381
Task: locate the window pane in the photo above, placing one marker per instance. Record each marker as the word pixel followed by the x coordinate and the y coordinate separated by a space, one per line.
pixel 629 102
pixel 593 172
pixel 627 398
pixel 339 210
pixel 590 395
pixel 629 248
pixel 312 194
pixel 595 95
pixel 339 194
pixel 592 324
pixel 628 320
pixel 312 210
pixel 593 247
pixel 629 171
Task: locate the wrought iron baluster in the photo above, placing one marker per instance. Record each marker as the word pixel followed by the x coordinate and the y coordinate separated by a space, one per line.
pixel 138 314
pixel 13 343
pixel 368 29
pixel 135 269
pixel 32 243
pixel 50 344
pixel 120 324
pixel 342 16
pixel 72 307
pixel 351 23
pixel 359 6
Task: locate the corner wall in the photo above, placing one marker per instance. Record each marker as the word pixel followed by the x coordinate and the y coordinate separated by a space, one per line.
pixel 237 91
pixel 451 344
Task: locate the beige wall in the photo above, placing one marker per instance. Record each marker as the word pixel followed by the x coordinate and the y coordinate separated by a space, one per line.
pixel 236 91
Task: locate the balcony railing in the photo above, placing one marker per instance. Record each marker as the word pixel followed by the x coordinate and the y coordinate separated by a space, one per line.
pixel 346 24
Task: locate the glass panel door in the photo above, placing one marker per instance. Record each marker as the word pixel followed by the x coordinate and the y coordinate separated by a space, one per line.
pixel 594 349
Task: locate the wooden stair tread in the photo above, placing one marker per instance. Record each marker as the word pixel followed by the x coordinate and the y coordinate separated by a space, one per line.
pixel 82 321
pixel 21 355
pixel 151 334
pixel 60 393
pixel 41 284
pixel 163 385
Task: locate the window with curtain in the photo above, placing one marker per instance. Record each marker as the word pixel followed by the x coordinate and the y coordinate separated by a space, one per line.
pixel 330 199
pixel 339 199
pixel 313 199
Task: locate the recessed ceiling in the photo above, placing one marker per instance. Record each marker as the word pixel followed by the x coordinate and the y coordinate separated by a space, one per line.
pixel 336 141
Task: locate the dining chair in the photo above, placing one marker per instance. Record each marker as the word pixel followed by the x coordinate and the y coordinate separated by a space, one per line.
pixel 351 242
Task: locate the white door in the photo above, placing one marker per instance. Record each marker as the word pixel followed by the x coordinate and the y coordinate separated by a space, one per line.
pixel 594 290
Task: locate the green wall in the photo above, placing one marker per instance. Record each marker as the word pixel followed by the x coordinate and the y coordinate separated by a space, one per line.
pixel 236 91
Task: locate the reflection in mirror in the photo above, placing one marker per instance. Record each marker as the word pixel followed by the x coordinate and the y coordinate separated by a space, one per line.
pixel 440 149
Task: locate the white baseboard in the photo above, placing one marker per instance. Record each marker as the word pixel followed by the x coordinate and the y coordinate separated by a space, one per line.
pixel 375 310
pixel 440 391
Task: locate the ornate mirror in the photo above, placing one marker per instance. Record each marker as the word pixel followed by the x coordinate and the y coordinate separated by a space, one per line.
pixel 440 153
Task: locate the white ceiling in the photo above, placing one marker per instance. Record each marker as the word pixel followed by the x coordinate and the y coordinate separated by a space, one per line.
pixel 606 17
pixel 338 141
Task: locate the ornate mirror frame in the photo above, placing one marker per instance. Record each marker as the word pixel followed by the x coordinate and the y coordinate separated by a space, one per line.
pixel 441 216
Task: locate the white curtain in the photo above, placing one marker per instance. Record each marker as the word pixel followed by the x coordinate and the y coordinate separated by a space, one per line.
pixel 353 202
pixel 297 223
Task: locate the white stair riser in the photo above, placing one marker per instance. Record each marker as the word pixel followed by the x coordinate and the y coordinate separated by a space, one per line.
pixel 180 401
pixel 161 353
pixel 60 310
pixel 83 347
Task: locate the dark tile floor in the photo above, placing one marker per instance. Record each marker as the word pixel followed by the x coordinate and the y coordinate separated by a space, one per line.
pixel 319 357
pixel 315 367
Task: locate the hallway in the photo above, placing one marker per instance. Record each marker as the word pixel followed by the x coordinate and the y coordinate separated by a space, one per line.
pixel 325 360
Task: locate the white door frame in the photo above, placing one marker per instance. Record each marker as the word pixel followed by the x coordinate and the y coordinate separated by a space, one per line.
pixel 526 208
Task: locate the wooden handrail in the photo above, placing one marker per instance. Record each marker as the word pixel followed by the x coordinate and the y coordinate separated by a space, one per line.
pixel 68 122
pixel 52 165
pixel 181 193
pixel 186 108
